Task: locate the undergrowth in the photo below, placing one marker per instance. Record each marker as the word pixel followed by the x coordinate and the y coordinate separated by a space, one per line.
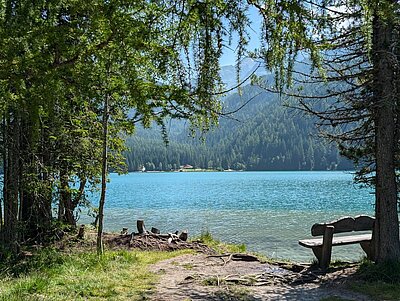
pixel 52 275
pixel 221 247
pixel 380 281
pixel 388 272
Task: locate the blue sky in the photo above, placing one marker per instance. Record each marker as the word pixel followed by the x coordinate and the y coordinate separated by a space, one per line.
pixel 229 57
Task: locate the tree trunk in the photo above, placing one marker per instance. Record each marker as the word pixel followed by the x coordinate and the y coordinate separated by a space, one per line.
pixel 4 158
pixel 386 231
pixel 35 189
pixel 26 213
pixel 11 181
pixel 100 249
pixel 45 197
pixel 67 213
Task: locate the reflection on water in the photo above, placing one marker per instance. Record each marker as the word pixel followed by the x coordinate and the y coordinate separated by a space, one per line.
pixel 267 211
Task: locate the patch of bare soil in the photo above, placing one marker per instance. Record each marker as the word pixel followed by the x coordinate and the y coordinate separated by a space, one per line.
pixel 237 277
pixel 208 276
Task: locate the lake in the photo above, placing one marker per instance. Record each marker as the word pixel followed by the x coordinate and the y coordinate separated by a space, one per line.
pixel 267 211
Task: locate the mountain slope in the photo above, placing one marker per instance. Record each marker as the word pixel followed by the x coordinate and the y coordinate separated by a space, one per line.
pixel 263 135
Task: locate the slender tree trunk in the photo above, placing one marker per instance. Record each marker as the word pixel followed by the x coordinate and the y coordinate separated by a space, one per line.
pixel 45 197
pixel 61 207
pixel 67 214
pixel 67 204
pixel 386 234
pixel 78 197
pixel 100 249
pixel 11 185
pixel 28 200
pixel 4 141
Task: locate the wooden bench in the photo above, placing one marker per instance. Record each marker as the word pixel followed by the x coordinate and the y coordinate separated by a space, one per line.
pixel 322 246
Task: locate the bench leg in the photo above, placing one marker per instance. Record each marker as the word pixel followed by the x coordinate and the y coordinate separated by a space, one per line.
pixel 323 261
pixel 368 249
pixel 318 253
pixel 323 256
pixel 326 247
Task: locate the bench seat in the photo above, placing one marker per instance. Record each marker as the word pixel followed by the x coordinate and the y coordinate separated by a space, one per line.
pixel 337 240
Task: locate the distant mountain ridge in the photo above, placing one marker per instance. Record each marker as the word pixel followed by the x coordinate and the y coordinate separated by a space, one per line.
pixel 248 67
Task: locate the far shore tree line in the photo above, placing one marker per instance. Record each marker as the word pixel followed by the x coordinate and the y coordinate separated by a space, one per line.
pixel 76 77
pixel 263 135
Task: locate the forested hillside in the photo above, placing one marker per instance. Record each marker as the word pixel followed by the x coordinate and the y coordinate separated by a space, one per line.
pixel 263 135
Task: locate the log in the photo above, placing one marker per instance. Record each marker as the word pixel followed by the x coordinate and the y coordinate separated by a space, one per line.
pixel 160 235
pixel 81 232
pixel 236 257
pixel 155 230
pixel 140 226
pixel 244 257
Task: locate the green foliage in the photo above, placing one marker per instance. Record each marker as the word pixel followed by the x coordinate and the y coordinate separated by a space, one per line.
pixel 83 276
pixel 43 260
pixel 378 290
pixel 380 281
pixel 386 272
pixel 61 59
pixel 221 247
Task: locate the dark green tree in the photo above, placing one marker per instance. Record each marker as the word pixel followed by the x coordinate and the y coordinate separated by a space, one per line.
pixel 353 47
pixel 54 83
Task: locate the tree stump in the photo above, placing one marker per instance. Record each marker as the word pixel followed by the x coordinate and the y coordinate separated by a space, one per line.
pixel 155 230
pixel 81 232
pixel 184 235
pixel 140 226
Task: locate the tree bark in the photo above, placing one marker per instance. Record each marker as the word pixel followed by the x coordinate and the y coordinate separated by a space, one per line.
pixel 100 248
pixel 45 196
pixel 66 206
pixel 140 226
pixel 386 231
pixel 11 180
pixel 26 214
pixel 4 158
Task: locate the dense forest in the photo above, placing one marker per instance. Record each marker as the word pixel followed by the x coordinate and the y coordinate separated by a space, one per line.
pixel 263 135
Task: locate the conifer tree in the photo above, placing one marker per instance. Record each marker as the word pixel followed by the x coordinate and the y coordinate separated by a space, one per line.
pixel 353 47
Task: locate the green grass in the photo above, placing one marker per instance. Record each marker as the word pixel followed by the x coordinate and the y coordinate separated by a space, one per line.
pixel 49 275
pixel 387 272
pixel 378 290
pixel 380 281
pixel 207 239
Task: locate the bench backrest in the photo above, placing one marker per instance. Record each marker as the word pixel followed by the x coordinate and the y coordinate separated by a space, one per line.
pixel 345 224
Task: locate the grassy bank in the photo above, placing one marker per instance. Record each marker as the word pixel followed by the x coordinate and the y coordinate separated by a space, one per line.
pixel 51 275
pixel 381 282
pixel 79 274
pixel 219 246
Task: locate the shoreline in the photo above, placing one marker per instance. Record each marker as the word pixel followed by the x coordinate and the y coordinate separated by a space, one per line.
pixel 131 273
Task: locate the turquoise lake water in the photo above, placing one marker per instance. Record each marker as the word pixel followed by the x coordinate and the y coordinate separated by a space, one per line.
pixel 267 211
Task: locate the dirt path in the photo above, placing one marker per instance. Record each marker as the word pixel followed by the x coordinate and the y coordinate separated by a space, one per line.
pixel 201 277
